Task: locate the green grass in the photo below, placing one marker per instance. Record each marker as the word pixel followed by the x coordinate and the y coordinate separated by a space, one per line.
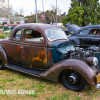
pixel 89 94
pixel 78 98
pixel 44 90
pixel 33 95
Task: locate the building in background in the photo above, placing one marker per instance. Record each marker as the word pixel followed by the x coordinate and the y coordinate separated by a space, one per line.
pixel 59 24
pixel 14 20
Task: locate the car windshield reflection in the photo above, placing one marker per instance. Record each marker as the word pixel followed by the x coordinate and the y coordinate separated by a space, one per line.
pixel 55 34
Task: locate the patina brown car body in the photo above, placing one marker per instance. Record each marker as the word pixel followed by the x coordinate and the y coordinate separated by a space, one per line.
pixel 38 56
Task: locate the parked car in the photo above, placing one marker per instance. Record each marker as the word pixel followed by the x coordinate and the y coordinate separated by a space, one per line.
pixel 43 50
pixel 1 28
pixel 86 36
pixel 9 27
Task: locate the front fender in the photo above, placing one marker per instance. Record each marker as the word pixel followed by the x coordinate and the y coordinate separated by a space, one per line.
pixel 79 66
pixel 3 55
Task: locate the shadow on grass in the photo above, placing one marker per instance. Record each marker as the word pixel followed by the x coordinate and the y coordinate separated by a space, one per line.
pixel 23 75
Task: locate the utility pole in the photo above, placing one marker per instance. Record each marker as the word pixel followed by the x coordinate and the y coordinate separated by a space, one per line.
pixel 42 6
pixel 9 11
pixel 43 16
pixel 56 12
pixel 36 11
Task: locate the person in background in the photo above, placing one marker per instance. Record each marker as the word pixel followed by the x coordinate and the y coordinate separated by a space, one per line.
pixel 98 32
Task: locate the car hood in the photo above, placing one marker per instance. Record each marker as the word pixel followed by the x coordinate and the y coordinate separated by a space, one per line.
pixel 72 27
pixel 64 47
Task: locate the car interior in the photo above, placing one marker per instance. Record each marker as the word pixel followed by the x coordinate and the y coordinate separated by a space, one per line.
pixel 94 32
pixel 31 35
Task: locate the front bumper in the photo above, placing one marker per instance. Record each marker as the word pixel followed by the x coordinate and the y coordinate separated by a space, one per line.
pixel 98 86
pixel 98 81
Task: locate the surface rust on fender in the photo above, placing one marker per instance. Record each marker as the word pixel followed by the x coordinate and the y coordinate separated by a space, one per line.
pixel 53 72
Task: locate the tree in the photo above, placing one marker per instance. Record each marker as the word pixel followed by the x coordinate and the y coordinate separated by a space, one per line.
pixel 53 11
pixel 21 11
pixel 4 9
pixel 83 12
pixel 50 16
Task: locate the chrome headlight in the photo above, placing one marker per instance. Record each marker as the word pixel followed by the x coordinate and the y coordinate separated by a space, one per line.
pixel 95 61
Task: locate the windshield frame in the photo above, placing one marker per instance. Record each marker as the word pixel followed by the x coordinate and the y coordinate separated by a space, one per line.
pixel 57 38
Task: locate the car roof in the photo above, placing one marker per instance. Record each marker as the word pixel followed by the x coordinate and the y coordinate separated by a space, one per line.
pixel 92 26
pixel 37 26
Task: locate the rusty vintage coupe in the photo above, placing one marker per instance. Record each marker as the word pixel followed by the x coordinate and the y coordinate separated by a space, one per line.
pixel 43 50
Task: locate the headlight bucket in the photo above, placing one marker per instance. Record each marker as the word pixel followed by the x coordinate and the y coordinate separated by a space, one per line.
pixel 92 60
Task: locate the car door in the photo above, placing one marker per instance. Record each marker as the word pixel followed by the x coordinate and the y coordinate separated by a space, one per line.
pixel 81 37
pixel 13 47
pixel 34 49
pixel 93 39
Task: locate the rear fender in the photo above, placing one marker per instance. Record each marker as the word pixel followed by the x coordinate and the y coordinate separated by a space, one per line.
pixel 3 55
pixel 79 66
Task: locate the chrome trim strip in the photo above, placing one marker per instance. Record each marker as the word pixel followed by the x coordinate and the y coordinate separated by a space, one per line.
pixel 86 37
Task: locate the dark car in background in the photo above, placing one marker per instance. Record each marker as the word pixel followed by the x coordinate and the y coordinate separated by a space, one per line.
pixel 9 27
pixel 86 36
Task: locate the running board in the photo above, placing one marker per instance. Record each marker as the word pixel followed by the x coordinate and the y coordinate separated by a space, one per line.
pixel 34 72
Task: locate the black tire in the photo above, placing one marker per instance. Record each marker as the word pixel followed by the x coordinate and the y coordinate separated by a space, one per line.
pixel 1 63
pixel 73 80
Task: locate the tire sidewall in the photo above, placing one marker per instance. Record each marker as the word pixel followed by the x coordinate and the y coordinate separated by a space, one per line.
pixel 81 86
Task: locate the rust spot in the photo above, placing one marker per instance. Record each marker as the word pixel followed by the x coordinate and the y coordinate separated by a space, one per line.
pixel 49 55
pixel 41 56
pixel 18 48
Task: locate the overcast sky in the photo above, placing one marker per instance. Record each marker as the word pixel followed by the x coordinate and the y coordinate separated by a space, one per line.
pixel 29 5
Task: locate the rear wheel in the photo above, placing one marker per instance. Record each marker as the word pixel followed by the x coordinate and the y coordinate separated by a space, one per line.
pixel 1 63
pixel 73 80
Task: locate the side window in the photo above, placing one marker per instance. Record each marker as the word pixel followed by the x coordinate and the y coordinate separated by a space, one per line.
pixel 31 35
pixel 17 35
pixel 95 32
pixel 84 32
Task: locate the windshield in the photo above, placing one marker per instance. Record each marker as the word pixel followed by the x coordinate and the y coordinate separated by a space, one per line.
pixel 84 32
pixel 54 34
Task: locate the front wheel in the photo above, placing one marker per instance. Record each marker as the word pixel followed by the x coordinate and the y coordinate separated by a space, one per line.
pixel 73 80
